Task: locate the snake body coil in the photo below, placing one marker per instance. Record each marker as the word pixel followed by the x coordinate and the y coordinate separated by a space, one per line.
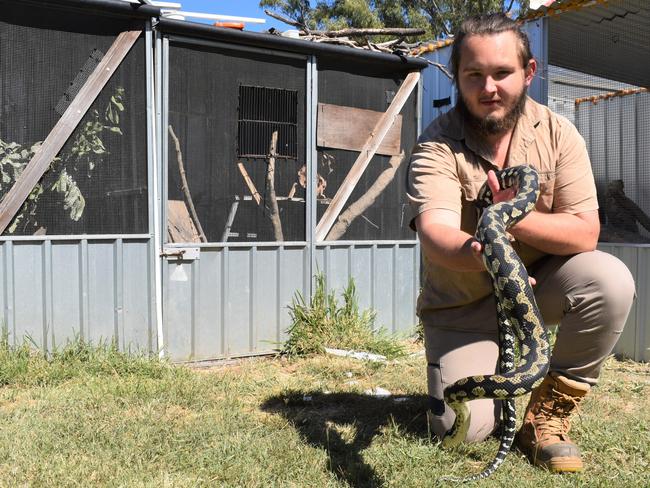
pixel 518 317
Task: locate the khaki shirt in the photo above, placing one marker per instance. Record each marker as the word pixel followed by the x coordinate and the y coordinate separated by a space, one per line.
pixel 449 166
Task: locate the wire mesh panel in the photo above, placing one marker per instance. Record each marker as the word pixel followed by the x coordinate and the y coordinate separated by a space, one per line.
pixel 97 184
pixel 377 209
pixel 600 85
pixel 224 106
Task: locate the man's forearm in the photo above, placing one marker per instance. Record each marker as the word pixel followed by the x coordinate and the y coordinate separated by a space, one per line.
pixel 560 233
pixel 448 247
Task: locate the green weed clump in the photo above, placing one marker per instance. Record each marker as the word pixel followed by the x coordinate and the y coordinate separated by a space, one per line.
pixel 323 322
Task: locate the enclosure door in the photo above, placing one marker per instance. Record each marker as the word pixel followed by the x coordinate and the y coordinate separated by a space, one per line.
pixel 235 172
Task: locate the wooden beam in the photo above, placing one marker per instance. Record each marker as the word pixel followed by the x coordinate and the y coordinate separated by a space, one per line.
pixel 348 128
pixel 249 183
pixel 367 152
pixel 180 227
pixel 63 129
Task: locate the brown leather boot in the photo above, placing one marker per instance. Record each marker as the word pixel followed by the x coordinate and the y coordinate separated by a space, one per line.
pixel 544 435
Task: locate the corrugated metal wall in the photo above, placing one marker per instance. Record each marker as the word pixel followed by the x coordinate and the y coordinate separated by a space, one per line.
pixel 233 300
pixel 385 275
pixel 55 290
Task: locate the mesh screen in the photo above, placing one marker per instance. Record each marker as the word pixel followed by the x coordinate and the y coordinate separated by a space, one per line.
pixel 600 85
pixel 387 216
pixel 97 184
pixel 231 194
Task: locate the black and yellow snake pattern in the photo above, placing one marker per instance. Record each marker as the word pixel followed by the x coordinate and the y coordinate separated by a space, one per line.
pixel 518 317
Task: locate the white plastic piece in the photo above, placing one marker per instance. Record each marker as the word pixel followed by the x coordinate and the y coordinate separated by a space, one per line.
pixel 201 15
pixel 368 356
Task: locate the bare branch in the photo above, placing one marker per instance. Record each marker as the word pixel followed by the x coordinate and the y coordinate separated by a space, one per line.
pixel 290 22
pixel 390 43
pixel 270 183
pixel 185 187
pixel 327 40
pixel 388 31
pixel 441 67
pixel 510 6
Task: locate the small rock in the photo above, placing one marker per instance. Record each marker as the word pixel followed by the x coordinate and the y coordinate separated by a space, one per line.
pixel 378 392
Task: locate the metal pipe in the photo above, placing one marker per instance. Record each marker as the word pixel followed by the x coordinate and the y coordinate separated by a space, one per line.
pixel 156 151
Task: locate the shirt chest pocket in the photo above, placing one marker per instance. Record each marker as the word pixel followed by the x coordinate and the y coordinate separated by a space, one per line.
pixel 546 191
pixel 470 187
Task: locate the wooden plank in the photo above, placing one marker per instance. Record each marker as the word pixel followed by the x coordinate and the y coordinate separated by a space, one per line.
pixel 64 128
pixel 342 127
pixel 367 152
pixel 180 227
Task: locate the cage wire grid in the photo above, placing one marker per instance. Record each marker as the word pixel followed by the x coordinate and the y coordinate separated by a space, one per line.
pixel 600 85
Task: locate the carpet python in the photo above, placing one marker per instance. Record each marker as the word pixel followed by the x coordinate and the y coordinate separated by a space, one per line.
pixel 518 317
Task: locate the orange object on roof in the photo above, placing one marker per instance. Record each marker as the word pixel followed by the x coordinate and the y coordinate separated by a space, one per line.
pixel 230 25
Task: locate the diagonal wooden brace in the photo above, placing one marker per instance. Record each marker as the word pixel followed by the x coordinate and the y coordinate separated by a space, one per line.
pixel 65 126
pixel 367 152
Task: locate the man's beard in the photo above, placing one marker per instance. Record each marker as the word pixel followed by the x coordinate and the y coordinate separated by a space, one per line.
pixel 490 126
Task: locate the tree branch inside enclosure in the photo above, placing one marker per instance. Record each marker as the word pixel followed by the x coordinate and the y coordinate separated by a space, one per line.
pixel 270 176
pixel 185 187
pixel 362 204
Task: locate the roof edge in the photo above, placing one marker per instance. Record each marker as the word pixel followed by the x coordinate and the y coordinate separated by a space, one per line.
pixel 268 41
pixel 110 7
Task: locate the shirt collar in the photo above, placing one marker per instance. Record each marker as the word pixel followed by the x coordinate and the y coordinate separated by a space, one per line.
pixel 524 133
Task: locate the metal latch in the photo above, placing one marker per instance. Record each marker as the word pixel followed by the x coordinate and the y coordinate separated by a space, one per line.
pixel 182 253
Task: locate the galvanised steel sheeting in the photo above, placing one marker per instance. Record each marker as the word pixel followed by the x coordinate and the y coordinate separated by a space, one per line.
pixel 232 301
pixel 634 342
pixel 386 277
pixel 98 289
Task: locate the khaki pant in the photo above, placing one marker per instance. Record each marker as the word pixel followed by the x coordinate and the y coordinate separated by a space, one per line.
pixel 588 295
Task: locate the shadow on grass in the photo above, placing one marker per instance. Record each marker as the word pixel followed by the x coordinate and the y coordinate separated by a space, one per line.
pixel 344 425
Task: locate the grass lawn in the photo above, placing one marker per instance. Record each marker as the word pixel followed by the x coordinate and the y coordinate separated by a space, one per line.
pixel 94 417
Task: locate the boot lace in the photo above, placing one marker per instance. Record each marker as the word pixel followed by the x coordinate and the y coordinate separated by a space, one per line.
pixel 552 419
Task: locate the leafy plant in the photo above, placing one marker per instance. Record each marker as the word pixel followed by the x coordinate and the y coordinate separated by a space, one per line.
pixel 324 323
pixel 60 181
